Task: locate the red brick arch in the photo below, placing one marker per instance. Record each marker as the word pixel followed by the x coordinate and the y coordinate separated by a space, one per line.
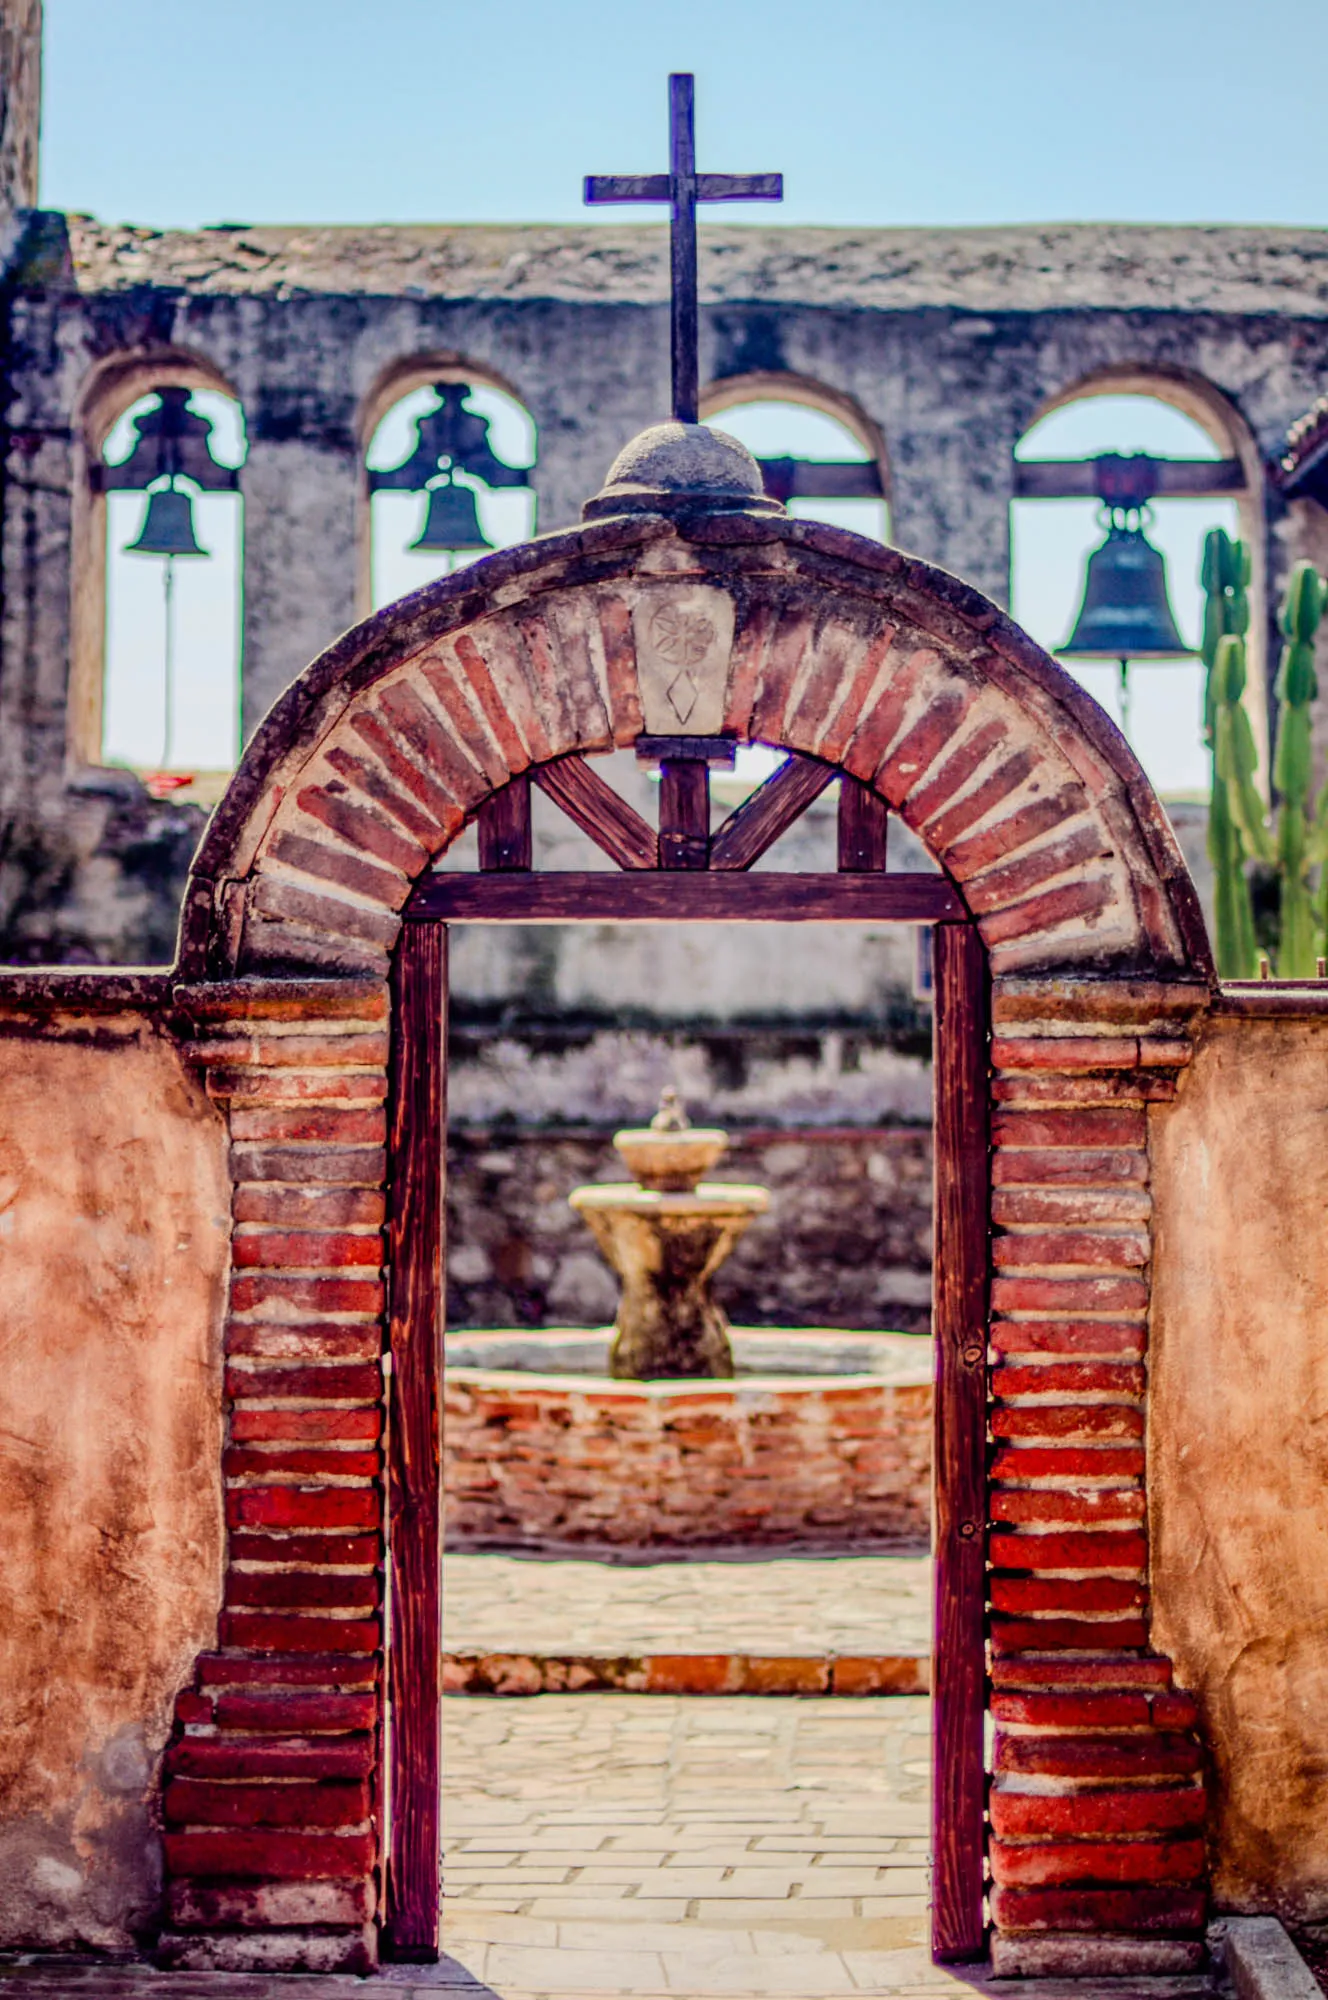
pixel 358 779
pixel 366 770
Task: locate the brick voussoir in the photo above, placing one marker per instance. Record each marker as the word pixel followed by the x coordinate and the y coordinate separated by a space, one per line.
pixel 318 864
pixel 305 1340
pixel 258 1631
pixel 285 1505
pixel 1068 1381
pixel 1080 1129
pixel 355 1383
pixel 1133 1911
pixel 1126 1551
pixel 1069 1055
pixel 1104 1509
pixel 1157 1754
pixel 283 1857
pixel 1108 1339
pixel 298 1714
pixel 1068 1635
pixel 233 1758
pixel 365 830
pixel 1151 1672
pixel 300 1590
pixel 1000 887
pixel 319 1423
pixel 358 1046
pixel 1072 1249
pixel 321 1166
pixel 319 1124
pixel 1061 1421
pixel 326 1804
pixel 1062 1596
pixel 1117 1813
pixel 1097 1864
pixel 1049 1293
pixel 312 1292
pixel 305 1252
pixel 1077 1465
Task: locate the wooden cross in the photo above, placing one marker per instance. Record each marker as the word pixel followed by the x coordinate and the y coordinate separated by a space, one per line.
pixel 682 187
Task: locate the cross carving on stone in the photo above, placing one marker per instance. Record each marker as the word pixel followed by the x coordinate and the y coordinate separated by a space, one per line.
pixel 682 187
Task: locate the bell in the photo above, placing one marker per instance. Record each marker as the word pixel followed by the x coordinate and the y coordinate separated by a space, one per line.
pixel 168 526
pixel 1126 613
pixel 452 521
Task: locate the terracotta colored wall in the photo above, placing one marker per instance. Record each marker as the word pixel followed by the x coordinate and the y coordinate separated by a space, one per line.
pixel 1239 1442
pixel 114 1220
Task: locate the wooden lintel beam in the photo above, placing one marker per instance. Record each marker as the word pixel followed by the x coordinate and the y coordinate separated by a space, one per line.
pixel 1177 478
pixel 821 479
pixel 684 896
pixel 598 810
pixel 769 811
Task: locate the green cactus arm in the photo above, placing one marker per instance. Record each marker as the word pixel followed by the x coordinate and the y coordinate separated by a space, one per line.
pixel 1234 941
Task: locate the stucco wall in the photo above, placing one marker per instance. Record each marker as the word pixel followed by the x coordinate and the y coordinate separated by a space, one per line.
pixel 1238 1438
pixel 114 1211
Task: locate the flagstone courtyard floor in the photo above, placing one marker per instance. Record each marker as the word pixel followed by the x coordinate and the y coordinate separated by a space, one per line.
pixel 639 1843
pixel 790 1604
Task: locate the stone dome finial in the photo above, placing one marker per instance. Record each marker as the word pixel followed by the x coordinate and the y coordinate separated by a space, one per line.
pixel 675 468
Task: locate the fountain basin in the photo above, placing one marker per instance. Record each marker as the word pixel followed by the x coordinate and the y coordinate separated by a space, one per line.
pixel 821 1440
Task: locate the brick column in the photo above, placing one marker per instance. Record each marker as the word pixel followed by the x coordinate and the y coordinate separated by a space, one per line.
pixel 1097 1800
pixel 271 1802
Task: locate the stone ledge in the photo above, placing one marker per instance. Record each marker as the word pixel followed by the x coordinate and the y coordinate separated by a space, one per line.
pixel 1263 1963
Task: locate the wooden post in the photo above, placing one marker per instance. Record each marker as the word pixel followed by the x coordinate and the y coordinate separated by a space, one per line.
pixel 863 822
pixel 503 824
pixel 959 1455
pixel 415 1260
pixel 684 813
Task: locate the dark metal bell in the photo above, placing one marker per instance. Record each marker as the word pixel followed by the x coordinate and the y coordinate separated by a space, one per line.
pixel 1126 613
pixel 452 521
pixel 168 526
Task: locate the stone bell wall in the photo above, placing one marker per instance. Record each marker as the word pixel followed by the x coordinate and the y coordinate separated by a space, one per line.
pixel 946 343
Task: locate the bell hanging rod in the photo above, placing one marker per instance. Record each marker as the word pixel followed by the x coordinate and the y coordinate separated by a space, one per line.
pixel 1169 478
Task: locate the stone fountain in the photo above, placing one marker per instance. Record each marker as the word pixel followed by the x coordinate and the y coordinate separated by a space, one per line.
pixel 665 1235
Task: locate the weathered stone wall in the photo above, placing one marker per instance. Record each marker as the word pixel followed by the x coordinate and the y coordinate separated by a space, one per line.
pixel 1238 1456
pixel 114 1242
pixel 20 112
pixel 847 1241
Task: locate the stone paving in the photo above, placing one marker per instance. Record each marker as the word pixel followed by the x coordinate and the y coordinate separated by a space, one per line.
pixel 656 1844
pixel 804 1605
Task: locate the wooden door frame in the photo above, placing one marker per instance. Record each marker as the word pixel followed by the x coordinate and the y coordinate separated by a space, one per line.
pixel 416 1191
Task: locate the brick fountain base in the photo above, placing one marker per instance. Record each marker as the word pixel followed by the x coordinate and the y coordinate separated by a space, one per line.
pixel 822 1441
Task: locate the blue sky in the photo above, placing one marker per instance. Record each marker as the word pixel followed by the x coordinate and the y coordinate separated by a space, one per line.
pixel 176 112
pixel 191 111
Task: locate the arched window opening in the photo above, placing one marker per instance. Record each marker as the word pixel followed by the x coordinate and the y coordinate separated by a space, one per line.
pixel 1160 702
pixel 449 473
pixel 812 461
pixel 822 471
pixel 169 471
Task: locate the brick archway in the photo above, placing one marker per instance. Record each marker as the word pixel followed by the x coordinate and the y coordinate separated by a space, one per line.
pixel 359 778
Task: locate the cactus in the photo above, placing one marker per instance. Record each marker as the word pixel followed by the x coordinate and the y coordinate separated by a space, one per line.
pixel 1297 847
pixel 1232 814
pixel 1238 831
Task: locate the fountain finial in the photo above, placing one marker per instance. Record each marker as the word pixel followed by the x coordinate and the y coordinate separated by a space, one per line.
pixel 672 1113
